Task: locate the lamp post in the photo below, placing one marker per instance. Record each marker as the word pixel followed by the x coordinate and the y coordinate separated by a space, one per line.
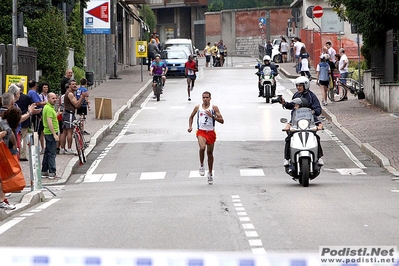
pixel 14 38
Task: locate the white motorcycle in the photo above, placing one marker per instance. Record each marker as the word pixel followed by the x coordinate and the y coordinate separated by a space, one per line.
pixel 303 146
pixel 267 81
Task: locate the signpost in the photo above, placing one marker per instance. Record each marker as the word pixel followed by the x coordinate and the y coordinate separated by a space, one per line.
pixel 97 17
pixel 317 11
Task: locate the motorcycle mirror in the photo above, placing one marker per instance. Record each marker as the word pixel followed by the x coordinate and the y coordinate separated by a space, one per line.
pixel 257 66
pixel 277 66
pixel 283 120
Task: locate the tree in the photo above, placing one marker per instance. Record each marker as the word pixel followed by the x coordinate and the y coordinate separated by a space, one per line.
pixel 49 37
pixel 76 39
pixel 149 17
pixel 372 18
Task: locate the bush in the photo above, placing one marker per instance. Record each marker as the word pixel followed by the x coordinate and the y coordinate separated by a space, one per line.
pixel 78 74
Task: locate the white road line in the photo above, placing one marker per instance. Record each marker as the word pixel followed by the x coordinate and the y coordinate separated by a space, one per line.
pixel 345 149
pixel 10 224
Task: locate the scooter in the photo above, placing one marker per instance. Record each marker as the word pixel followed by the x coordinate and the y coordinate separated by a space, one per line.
pixel 267 81
pixel 303 146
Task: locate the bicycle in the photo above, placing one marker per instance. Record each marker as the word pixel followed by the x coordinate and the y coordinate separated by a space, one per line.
pixel 158 88
pixel 339 91
pixel 80 141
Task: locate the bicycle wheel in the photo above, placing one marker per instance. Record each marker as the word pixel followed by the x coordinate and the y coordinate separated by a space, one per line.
pixel 158 91
pixel 79 147
pixel 337 93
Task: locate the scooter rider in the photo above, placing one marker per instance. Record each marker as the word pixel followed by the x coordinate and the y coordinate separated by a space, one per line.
pixel 310 100
pixel 267 62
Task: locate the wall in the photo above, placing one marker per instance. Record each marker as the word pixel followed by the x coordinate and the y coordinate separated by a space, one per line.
pixel 240 30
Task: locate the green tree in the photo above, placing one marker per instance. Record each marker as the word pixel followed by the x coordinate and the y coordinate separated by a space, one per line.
pixel 76 39
pixel 372 18
pixel 149 17
pixel 49 37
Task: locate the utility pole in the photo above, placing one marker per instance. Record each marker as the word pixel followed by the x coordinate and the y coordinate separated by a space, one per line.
pixel 14 38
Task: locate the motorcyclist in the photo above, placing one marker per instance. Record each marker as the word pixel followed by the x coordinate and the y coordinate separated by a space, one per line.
pixel 267 62
pixel 310 100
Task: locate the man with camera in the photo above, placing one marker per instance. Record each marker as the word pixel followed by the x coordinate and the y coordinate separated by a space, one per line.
pixel 302 84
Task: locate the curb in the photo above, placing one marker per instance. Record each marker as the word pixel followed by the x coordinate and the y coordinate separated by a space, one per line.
pixel 37 196
pixel 366 148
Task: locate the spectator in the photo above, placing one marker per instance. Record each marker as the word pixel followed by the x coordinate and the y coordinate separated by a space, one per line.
pixel 284 47
pixel 331 51
pixel 64 81
pixel 43 94
pixel 221 48
pixel 214 52
pixel 32 84
pixel 297 51
pixel 50 132
pixel 269 48
pixel 23 103
pixel 82 111
pixel 304 62
pixel 292 54
pixel 68 116
pixel 207 53
pixel 152 52
pixel 343 65
pixel 323 77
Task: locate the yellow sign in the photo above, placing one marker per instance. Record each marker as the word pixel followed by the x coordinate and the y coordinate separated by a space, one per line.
pixel 141 49
pixel 13 79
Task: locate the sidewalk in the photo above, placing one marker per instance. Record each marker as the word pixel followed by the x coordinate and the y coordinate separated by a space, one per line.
pixel 124 92
pixel 372 129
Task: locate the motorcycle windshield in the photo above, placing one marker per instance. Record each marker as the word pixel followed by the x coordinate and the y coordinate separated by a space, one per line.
pixel 302 113
pixel 267 71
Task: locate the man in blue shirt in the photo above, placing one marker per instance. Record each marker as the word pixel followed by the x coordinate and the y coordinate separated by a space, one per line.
pixel 32 93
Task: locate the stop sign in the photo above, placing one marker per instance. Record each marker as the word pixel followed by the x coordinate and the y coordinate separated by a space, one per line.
pixel 317 11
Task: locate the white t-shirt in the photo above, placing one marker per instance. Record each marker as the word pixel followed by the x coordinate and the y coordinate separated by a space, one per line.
pixel 205 122
pixel 297 46
pixel 331 53
pixel 284 47
pixel 342 61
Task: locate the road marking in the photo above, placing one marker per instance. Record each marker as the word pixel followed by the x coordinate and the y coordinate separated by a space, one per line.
pixel 254 242
pixel 351 171
pixel 252 172
pixel 152 175
pixel 345 149
pixel 10 224
pixel 100 178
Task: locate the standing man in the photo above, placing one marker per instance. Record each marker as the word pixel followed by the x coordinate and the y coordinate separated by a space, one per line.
pixel 68 116
pixel 214 52
pixel 64 81
pixel 191 68
pixel 343 65
pixel 23 103
pixel 297 51
pixel 331 51
pixel 207 53
pixel 50 131
pixel 207 114
pixel 152 51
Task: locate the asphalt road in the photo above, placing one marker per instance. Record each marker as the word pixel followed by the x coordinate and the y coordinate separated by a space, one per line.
pixel 143 190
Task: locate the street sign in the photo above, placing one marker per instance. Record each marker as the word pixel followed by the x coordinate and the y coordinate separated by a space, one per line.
pixel 97 17
pixel 262 20
pixel 309 11
pixel 141 49
pixel 260 25
pixel 100 12
pixel 317 11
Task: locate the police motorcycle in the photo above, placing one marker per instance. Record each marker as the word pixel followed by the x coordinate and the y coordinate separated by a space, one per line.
pixel 266 80
pixel 303 165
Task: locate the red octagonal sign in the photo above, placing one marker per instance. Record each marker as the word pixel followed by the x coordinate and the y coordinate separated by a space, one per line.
pixel 317 11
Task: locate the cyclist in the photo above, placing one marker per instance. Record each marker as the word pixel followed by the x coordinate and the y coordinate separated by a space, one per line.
pixel 267 63
pixel 158 67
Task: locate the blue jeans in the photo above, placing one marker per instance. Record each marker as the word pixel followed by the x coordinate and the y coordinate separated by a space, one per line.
pixel 297 66
pixel 343 77
pixel 48 163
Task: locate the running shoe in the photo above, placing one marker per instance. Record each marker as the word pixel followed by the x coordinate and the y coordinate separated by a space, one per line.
pixel 6 206
pixel 210 179
pixel 201 170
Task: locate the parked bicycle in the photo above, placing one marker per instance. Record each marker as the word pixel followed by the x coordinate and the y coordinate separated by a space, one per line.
pixel 339 91
pixel 80 141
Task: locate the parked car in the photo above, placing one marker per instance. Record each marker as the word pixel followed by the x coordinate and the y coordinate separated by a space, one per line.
pixel 276 55
pixel 175 59
pixel 183 42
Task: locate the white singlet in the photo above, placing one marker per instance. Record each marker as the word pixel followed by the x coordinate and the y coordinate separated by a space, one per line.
pixel 205 122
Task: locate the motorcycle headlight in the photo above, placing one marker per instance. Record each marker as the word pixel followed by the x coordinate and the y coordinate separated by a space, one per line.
pixel 303 124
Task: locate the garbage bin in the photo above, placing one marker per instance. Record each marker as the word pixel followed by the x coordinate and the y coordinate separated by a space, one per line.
pixel 90 78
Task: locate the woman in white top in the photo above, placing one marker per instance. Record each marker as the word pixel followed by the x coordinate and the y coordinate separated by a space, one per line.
pixel 284 48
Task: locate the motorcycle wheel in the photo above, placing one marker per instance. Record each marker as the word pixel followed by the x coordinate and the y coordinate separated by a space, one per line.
pixel 305 169
pixel 266 92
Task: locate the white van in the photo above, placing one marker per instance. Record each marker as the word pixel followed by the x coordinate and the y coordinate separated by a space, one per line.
pixel 181 42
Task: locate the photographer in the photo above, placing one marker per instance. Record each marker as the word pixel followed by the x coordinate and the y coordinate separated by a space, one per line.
pixel 311 101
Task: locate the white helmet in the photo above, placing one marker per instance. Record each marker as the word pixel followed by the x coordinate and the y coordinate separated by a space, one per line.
pixel 266 57
pixel 303 80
